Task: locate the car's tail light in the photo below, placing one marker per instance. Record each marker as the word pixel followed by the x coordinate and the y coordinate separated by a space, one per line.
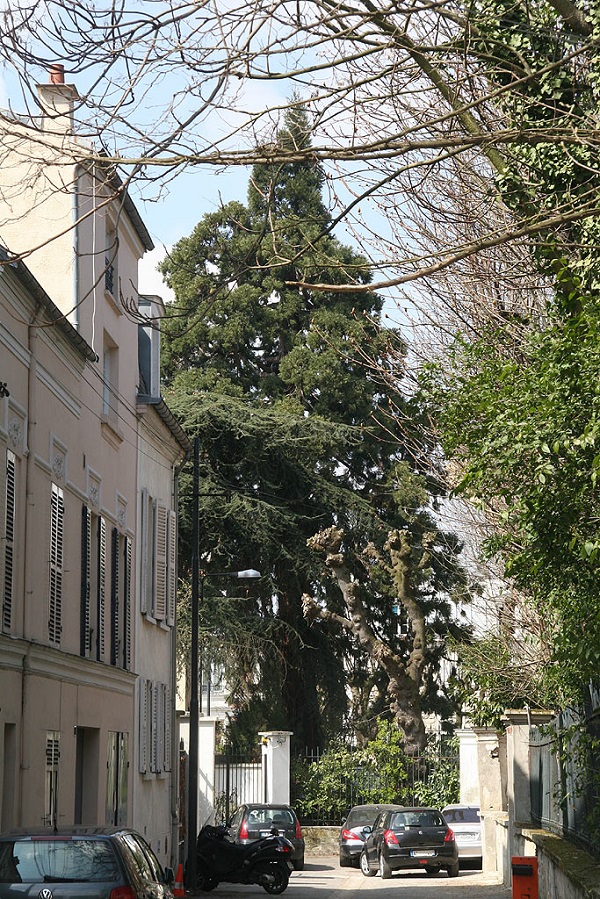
pixel 390 837
pixel 244 830
pixel 284 847
pixel 449 838
pixel 298 830
pixel 349 835
pixel 122 893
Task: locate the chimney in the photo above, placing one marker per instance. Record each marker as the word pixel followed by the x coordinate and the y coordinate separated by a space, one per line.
pixel 57 74
pixel 57 100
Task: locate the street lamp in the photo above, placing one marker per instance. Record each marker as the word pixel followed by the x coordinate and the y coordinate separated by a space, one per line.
pixel 197 597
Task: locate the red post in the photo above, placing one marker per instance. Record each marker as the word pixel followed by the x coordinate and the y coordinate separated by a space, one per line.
pixel 524 877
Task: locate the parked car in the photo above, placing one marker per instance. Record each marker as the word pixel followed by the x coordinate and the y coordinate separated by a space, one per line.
pixel 404 838
pixel 81 863
pixel 351 837
pixel 466 824
pixel 255 820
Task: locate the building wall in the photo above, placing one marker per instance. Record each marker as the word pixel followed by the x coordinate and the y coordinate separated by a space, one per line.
pixel 86 684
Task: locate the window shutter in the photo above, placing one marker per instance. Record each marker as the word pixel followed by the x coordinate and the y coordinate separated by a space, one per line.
pixel 143 723
pixel 146 554
pixel 114 599
pixel 154 727
pixel 167 728
pixel 127 605
pixel 101 587
pixel 172 569
pixel 86 555
pixel 160 600
pixel 57 524
pixel 9 541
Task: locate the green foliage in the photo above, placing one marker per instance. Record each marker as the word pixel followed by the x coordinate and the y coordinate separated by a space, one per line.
pixel 377 773
pixel 295 435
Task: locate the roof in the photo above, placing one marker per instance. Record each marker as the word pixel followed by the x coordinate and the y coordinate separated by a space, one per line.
pixel 167 417
pixel 54 314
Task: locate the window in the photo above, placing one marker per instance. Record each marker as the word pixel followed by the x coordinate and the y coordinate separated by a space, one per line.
pixel 51 785
pixel 57 531
pixel 93 585
pixel 154 727
pixel 158 576
pixel 117 765
pixel 110 382
pixel 9 542
pixel 111 275
pixel 120 644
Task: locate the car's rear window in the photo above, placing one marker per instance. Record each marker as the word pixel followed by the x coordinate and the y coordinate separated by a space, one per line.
pixel 358 816
pixel 263 816
pixel 55 860
pixel 416 819
pixel 458 815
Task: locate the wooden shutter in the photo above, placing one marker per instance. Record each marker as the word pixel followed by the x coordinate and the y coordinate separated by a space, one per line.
pixel 127 604
pixel 101 587
pixel 86 562
pixel 9 541
pixel 160 555
pixel 172 569
pixel 143 724
pixel 146 542
pixel 57 528
pixel 114 599
pixel 167 719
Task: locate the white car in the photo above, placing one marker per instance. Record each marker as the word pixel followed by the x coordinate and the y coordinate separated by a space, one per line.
pixel 466 824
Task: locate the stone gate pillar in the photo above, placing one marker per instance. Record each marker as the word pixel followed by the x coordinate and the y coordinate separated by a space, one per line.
pixel 276 765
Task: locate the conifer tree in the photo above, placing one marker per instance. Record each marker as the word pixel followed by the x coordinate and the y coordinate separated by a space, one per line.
pixel 295 430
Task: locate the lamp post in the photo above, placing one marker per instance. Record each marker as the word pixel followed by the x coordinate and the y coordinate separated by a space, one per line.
pixel 197 597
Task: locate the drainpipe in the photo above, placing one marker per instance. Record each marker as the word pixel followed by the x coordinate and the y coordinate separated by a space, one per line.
pixel 75 221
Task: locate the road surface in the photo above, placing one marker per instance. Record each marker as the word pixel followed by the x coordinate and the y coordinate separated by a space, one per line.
pixel 323 878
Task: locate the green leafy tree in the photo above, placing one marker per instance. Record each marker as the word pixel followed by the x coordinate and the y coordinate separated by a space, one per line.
pixel 279 383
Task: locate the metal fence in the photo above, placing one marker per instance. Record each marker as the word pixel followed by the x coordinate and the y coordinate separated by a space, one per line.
pixel 565 775
pixel 238 779
pixel 364 785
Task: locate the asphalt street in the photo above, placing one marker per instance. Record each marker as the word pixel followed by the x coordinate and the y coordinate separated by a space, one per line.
pixel 323 878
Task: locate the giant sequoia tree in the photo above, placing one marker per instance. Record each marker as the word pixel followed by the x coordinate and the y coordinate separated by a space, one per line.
pixel 296 434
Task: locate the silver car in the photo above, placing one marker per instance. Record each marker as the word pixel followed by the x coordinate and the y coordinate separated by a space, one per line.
pixel 466 824
pixel 80 863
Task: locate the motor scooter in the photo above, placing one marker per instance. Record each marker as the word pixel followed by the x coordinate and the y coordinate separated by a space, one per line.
pixel 266 862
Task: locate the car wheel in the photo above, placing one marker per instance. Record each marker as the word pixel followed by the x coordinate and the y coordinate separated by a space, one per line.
pixel 453 870
pixel 364 866
pixel 432 869
pixel 345 861
pixel 384 869
pixel 299 864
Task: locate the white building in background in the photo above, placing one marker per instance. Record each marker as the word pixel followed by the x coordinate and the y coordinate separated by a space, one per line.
pixel 88 495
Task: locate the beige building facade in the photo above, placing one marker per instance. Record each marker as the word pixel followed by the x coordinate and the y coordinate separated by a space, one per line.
pixel 89 460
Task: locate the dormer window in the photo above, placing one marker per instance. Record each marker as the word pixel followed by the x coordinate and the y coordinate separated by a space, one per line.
pixel 150 308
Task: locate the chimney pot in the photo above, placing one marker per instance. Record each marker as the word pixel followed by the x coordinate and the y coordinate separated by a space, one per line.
pixel 57 74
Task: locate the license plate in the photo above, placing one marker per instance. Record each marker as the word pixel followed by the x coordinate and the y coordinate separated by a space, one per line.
pixel 423 853
pixel 465 837
pixel 265 833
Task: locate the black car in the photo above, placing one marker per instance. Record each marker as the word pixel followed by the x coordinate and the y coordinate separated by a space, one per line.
pixel 404 838
pixel 351 837
pixel 80 863
pixel 255 820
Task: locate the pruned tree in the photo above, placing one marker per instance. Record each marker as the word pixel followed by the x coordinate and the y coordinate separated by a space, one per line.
pixel 404 671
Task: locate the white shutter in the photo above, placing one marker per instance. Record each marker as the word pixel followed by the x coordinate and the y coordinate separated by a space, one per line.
pixel 127 605
pixel 167 718
pixel 143 724
pixel 160 555
pixel 57 530
pixel 145 553
pixel 171 568
pixel 101 587
pixel 9 541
